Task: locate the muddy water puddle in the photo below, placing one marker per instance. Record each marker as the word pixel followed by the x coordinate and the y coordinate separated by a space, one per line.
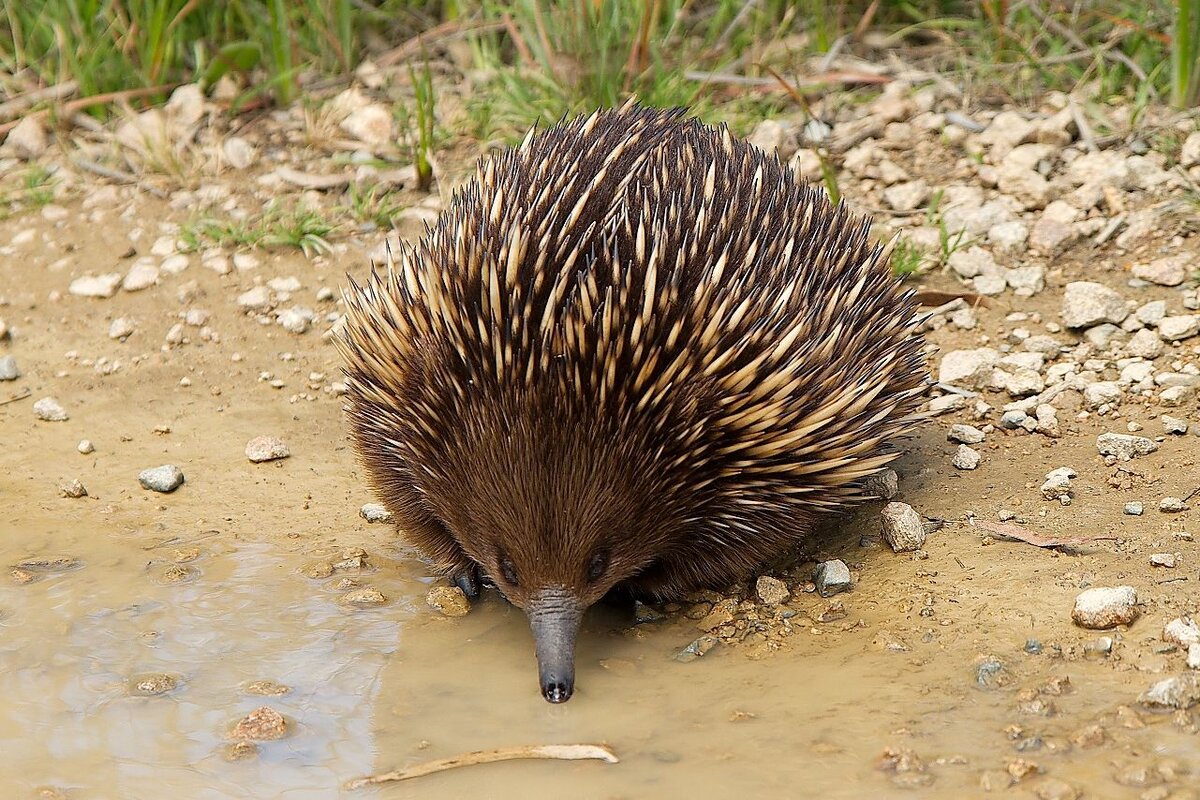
pixel 126 660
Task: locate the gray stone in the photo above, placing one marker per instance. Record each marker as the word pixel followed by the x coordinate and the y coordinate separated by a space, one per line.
pixel 1051 237
pixel 968 369
pixel 771 591
pixel 906 196
pixel 9 371
pixel 965 434
pixel 884 484
pixel 1026 281
pixel 1024 185
pixel 902 527
pixel 1171 505
pixel 49 410
pixel 1174 425
pixel 1123 446
pixel 1013 419
pixel 989 285
pixel 257 298
pixel 27 140
pixel 165 479
pixel 121 328
pixel 1104 607
pixel 1144 344
pixel 1101 393
pixel 1024 382
pixel 1176 396
pixel 831 577
pixel 1102 335
pixel 973 261
pixel 965 458
pixel 1009 238
pixel 1086 303
pixel 1135 508
pixel 102 286
pixel 1164 560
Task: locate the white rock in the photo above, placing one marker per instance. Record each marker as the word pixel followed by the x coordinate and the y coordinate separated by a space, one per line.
pixel 196 317
pixel 1144 344
pixel 1104 607
pixel 1027 281
pixel 968 369
pixel 173 265
pixel 1189 154
pixel 1153 312
pixel 9 371
pixel 371 125
pixel 1176 396
pixel 1025 382
pixel 1181 632
pixel 238 152
pixel 965 458
pixel 1009 238
pixel 1086 303
pixel 1123 446
pixel 257 298
pixel 103 286
pixel 1184 326
pixel 1101 393
pixel 266 448
pixel 1167 271
pixel 965 434
pixel 244 261
pixel 973 261
pixel 49 410
pixel 906 196
pixel 120 328
pixel 772 137
pixel 140 276
pixel 1058 484
pixel 295 320
pixel 1027 187
pixel 27 140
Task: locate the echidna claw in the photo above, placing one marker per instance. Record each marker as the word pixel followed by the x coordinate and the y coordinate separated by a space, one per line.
pixel 467 579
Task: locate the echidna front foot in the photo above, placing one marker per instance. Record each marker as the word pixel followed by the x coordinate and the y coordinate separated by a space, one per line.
pixel 468 579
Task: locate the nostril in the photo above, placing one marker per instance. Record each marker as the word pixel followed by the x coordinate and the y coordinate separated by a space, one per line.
pixel 557 692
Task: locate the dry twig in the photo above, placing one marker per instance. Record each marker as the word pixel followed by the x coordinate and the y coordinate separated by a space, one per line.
pixel 565 752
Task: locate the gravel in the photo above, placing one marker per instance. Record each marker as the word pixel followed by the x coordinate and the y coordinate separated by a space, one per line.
pixel 50 410
pixel 831 577
pixel 266 448
pixel 902 527
pixel 374 512
pixel 166 478
pixel 1104 607
pixel 965 434
pixel 9 371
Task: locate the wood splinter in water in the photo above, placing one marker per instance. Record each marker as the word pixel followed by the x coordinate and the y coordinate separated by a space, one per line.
pixel 564 752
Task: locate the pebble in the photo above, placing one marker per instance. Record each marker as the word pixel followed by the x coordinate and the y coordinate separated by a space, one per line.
pixel 1174 425
pixel 73 489
pixel 1055 789
pixel 771 591
pixel 1174 329
pixel 965 458
pixel 238 152
pixel 165 479
pixel 101 286
pixel 267 689
pixel 1181 691
pixel 697 648
pixel 9 371
pixel 1167 271
pixel 1123 446
pixel 85 446
pixel 257 298
pixel 375 512
pixel 884 484
pixel 1171 505
pixel 121 328
pixel 1193 655
pixel 139 277
pixel 965 434
pixel 1058 484
pixel 1180 631
pixel 1135 508
pixel 1011 420
pixel 831 577
pixel 968 369
pixel 1086 303
pixel 1104 607
pixel 263 724
pixel 1163 560
pixel 902 528
pixel 49 410
pixel 366 596
pixel 153 684
pixel 990 673
pixel 27 140
pixel 266 448
pixel 448 601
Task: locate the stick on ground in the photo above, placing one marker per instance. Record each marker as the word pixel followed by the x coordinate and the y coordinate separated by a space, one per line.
pixel 565 752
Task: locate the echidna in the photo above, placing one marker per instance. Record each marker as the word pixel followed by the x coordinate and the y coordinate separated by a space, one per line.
pixel 634 353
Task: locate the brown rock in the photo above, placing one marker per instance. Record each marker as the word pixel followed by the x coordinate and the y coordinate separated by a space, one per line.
pixel 263 723
pixel 448 600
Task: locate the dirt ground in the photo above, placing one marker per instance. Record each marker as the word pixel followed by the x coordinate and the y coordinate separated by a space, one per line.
pixel 952 672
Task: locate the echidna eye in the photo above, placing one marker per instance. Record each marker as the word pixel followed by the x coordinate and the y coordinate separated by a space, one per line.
pixel 597 566
pixel 508 571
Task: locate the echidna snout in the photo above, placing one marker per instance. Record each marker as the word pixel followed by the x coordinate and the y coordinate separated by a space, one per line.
pixel 634 353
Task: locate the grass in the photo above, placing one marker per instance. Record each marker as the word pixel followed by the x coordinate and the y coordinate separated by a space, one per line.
pixel 31 189
pixel 372 204
pixel 907 259
pixel 277 226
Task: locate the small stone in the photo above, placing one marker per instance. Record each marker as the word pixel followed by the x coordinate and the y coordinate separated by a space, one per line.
pixel 1182 691
pixel 1173 425
pixel 239 751
pixel 1058 484
pixel 1166 560
pixel 121 328
pixel 1167 271
pixel 262 724
pixel 989 285
pixel 367 596
pixel 965 458
pixel 1123 446
pixel 295 320
pixel 1025 382
pixel 1174 329
pixel 884 484
pixel 968 369
pixel 139 277
pixel 238 152
pixel 1104 607
pixel 371 124
pixel 85 446
pixel 1055 789
pixel 375 512
pixel 965 434
pixel 266 448
pixel 902 527
pixel 101 286
pixel 771 591
pixel 1144 344
pixel 990 673
pixel 1102 393
pixel 257 298
pixel 1134 508
pixel 165 479
pixel 1180 631
pixel 49 410
pixel 906 196
pixel 1193 655
pixel 1171 505
pixel 1013 419
pixel 73 489
pixel 831 577
pixel 27 140
pixel 697 648
pixel 9 371
pixel 973 262
pixel 1176 396
pixel 152 685
pixel 448 601
pixel 1086 303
